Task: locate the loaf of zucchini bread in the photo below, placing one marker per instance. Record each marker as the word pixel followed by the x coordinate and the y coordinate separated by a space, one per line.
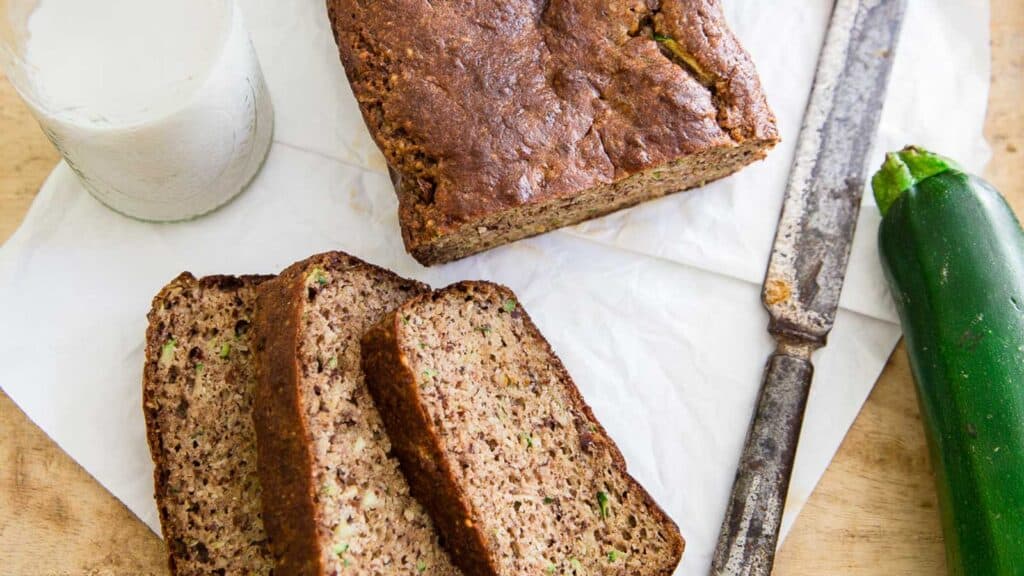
pixel 500 447
pixel 504 119
pixel 334 500
pixel 198 386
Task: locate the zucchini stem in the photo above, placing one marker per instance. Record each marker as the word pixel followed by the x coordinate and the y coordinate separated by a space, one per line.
pixel 902 171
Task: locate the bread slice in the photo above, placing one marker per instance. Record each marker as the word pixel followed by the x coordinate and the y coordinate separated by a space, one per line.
pixel 502 120
pixel 197 397
pixel 501 448
pixel 334 499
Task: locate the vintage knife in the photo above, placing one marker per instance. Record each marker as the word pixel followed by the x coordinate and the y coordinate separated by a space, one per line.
pixel 807 267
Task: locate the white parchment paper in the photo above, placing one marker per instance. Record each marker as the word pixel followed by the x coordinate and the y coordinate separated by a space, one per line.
pixel 654 310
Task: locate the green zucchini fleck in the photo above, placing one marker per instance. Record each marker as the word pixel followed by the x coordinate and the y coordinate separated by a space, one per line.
pixel 526 439
pixel 319 276
pixel 602 504
pixel 167 351
pixel 676 49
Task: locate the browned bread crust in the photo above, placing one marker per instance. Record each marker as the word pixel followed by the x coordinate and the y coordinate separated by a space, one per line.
pixel 419 375
pixel 415 443
pixel 319 434
pixel 282 444
pixel 197 396
pixel 501 120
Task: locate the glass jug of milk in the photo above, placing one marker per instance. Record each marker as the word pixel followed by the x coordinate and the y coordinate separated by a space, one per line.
pixel 159 106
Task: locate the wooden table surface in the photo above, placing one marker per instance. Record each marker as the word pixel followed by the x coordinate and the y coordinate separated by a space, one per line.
pixel 873 513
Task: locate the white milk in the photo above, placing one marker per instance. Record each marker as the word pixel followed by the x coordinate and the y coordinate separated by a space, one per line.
pixel 158 105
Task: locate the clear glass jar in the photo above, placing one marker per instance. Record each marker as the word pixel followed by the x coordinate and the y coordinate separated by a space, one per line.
pixel 159 107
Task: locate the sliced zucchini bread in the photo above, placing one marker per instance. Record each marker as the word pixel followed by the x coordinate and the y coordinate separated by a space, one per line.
pixel 197 398
pixel 334 499
pixel 500 447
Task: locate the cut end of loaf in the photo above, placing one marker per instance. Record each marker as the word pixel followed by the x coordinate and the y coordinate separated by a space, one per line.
pixel 197 398
pixel 431 241
pixel 537 484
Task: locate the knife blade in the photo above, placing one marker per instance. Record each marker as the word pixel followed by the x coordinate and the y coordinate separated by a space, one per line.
pixel 807 267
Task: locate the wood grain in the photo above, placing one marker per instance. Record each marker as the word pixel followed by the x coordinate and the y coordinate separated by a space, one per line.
pixel 873 513
pixel 26 159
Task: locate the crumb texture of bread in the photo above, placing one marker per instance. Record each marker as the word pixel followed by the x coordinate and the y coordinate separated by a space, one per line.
pixel 198 387
pixel 335 501
pixel 500 446
pixel 501 120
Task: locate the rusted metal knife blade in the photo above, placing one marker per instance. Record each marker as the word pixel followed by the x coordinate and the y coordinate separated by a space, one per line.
pixel 807 266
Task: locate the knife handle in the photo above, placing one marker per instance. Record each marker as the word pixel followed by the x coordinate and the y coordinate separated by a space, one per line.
pixel 746 546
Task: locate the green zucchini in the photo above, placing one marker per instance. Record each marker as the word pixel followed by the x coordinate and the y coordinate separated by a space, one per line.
pixel 953 255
